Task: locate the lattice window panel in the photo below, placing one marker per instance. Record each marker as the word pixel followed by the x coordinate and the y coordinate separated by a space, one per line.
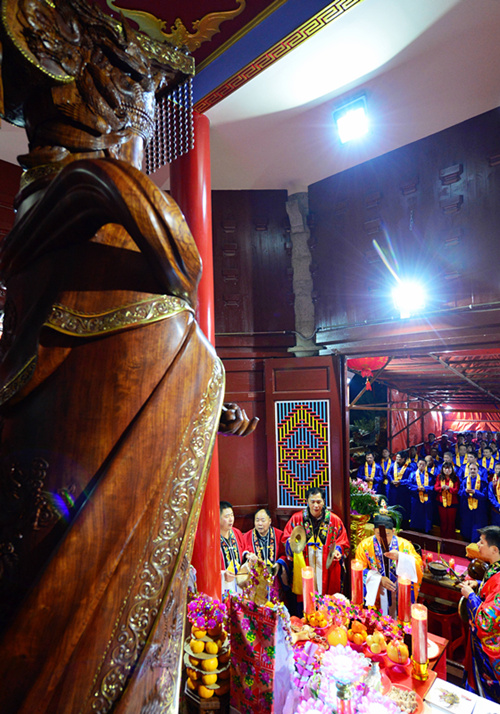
pixel 302 449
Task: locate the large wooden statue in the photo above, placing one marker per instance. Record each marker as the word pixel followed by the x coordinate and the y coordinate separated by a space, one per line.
pixel 110 395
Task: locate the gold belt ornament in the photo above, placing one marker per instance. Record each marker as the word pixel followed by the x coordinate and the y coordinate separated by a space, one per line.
pixel 73 322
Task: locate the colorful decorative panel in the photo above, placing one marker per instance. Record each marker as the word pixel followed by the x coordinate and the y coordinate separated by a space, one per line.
pixel 302 449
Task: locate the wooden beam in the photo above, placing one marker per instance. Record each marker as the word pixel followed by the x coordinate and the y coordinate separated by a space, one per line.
pixel 464 376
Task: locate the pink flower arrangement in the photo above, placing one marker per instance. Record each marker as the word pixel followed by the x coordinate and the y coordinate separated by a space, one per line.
pixel 375 703
pixel 206 612
pixel 313 706
pixel 343 665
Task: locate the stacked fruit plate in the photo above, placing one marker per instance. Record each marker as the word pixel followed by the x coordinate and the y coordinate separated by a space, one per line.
pixel 206 656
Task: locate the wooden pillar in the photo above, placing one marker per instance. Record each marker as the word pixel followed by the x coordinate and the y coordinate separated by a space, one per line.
pixel 190 186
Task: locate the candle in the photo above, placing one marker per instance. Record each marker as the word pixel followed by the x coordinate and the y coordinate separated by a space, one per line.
pixel 452 563
pixel 308 589
pixel 404 599
pixel 419 633
pixel 356 582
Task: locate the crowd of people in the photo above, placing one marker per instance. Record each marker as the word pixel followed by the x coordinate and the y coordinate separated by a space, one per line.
pixel 326 545
pixel 453 483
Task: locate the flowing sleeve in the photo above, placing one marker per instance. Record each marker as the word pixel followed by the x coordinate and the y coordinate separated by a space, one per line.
pixel 341 537
pixel 280 546
pixel 407 547
pixel 481 493
pixel 411 482
pixel 492 497
pixel 361 554
pixel 487 617
pixel 286 534
pixel 246 542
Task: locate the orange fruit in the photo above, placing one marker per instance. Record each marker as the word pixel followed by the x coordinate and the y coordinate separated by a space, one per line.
pixel 337 636
pixel 191 684
pixel 223 689
pixel 223 658
pixel 204 692
pixel 209 664
pixel 208 678
pixel 195 662
pixel 225 674
pixel 211 647
pixel 192 673
pixel 397 651
pixel 358 638
pixel 197 646
pixel 357 626
pixel 215 631
pixel 198 632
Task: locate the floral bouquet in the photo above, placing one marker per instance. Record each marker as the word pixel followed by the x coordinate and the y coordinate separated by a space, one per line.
pixel 206 612
pixel 364 500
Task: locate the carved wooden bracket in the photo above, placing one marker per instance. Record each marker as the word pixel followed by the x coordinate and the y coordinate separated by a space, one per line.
pixel 228 225
pixel 232 300
pixel 451 205
pixel 409 186
pixel 451 174
pixel 231 275
pixel 374 226
pixel 494 159
pixel 372 200
pixel 229 250
pixel 261 223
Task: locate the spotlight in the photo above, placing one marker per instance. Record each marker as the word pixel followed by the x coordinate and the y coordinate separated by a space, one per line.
pixel 409 298
pixel 351 119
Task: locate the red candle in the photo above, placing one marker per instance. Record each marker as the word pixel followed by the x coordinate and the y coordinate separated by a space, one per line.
pixel 356 582
pixel 419 633
pixel 404 599
pixel 308 589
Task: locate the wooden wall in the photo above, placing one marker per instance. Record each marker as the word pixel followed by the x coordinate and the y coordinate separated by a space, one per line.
pixel 434 208
pixel 254 321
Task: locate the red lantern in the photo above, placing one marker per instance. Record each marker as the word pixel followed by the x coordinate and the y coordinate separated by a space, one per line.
pixel 365 365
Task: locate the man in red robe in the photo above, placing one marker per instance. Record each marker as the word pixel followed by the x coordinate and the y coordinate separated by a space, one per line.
pixel 231 547
pixel 482 663
pixel 325 536
pixel 264 540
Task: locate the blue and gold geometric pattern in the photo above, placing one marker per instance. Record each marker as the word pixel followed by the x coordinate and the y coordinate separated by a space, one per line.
pixel 303 449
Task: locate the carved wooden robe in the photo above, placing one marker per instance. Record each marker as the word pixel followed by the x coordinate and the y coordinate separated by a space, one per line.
pixel 110 394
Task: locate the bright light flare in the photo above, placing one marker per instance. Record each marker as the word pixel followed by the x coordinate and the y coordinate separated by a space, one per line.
pixel 352 120
pixel 409 298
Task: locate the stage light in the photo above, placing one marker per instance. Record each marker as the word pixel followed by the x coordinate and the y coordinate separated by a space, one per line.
pixel 409 298
pixel 351 119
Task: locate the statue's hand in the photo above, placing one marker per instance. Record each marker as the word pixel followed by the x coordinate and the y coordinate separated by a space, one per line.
pixel 234 421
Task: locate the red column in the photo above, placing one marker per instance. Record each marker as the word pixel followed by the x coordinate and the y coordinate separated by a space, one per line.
pixel 190 186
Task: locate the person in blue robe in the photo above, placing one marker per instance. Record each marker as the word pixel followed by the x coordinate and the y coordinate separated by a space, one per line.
pixel 397 491
pixel 494 496
pixel 385 465
pixel 473 500
pixel 421 487
pixel 370 471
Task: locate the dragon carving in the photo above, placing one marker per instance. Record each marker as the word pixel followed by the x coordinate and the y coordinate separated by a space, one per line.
pixel 205 28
